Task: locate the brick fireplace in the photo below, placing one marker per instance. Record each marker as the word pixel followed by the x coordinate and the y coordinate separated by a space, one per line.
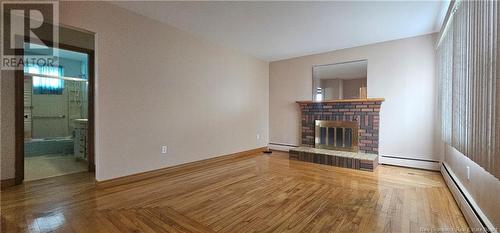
pixel 365 112
pixel 355 126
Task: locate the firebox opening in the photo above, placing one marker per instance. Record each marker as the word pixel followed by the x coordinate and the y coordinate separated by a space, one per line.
pixel 336 135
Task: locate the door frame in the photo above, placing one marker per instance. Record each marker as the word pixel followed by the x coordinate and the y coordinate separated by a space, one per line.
pixel 19 110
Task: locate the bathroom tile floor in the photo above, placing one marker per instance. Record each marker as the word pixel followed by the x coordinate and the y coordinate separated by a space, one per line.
pixel 40 167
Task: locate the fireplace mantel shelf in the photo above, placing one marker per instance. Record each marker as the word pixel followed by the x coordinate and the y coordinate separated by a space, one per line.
pixel 341 101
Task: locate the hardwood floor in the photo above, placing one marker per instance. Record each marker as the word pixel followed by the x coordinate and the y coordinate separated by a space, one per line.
pixel 259 193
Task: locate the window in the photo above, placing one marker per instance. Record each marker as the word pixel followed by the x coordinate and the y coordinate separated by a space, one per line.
pixel 319 94
pixel 43 85
pixel 469 92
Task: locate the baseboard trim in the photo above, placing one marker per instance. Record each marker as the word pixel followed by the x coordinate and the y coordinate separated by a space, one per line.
pixel 476 219
pixel 7 183
pixel 168 170
pixel 410 162
pixel 281 146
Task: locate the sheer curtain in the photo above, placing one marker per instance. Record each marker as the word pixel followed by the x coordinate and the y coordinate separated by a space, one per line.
pixel 469 92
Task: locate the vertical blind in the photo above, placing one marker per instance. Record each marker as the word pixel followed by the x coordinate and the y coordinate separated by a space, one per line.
pixel 469 90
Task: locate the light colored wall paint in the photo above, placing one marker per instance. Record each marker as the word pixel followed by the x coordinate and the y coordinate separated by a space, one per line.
pixel 158 85
pixel 401 71
pixel 482 186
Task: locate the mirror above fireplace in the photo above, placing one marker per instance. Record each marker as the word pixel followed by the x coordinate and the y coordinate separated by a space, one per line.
pixel 346 80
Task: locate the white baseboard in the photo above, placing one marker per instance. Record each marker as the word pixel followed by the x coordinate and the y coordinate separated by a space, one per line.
pixel 280 146
pixel 477 220
pixel 409 162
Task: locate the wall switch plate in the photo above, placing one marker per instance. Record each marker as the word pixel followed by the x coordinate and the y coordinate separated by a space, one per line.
pixel 468 173
pixel 163 149
pixel 258 136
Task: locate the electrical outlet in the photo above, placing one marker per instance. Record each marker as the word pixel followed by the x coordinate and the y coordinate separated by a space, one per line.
pixel 258 136
pixel 468 173
pixel 164 149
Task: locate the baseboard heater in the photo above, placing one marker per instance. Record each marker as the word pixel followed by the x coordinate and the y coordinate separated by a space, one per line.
pixel 426 164
pixel 281 146
pixel 473 215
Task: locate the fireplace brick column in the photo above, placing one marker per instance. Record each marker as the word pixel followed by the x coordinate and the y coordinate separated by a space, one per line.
pixel 365 112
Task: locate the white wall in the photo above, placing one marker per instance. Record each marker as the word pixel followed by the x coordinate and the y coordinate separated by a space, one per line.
pixel 401 71
pixel 159 85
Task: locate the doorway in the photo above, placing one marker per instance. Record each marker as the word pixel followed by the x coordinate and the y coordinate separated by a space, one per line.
pixel 54 115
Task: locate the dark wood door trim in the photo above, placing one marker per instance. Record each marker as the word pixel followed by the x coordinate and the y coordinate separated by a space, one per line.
pixel 19 112
pixel 19 123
